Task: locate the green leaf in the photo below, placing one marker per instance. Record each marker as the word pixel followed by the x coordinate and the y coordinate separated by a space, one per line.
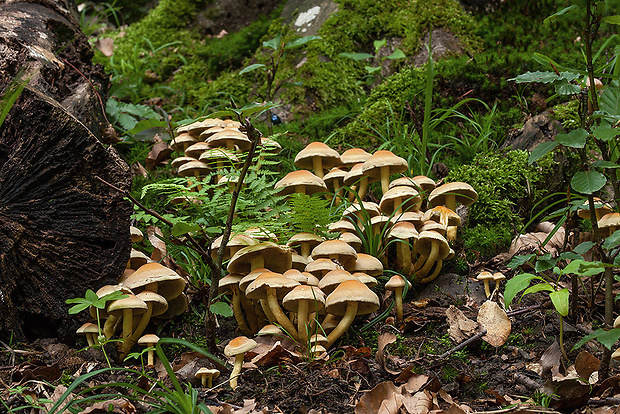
pixel 564 87
pixel 607 338
pixel 273 43
pixel 182 228
pixel 301 41
pixel 560 301
pixel 615 19
pixel 520 260
pixel 539 287
pixel 221 308
pixel 584 247
pixel 398 54
pixel 254 107
pixel 605 164
pixel 91 296
pixel 574 139
pixel 541 150
pixel 516 284
pixel 570 256
pixel 378 44
pixel 147 124
pixel 559 13
pixel 610 100
pixel 114 296
pixel 372 69
pixel 587 182
pixel 583 268
pixel 10 96
pixel 251 68
pixel 542 265
pixel 612 241
pixel 78 308
pixel 357 56
pixel 605 132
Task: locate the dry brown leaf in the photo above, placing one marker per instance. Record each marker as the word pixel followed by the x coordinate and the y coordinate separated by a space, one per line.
pixel 118 406
pixel 160 152
pixel 531 242
pixel 371 401
pixel 420 382
pixel 137 169
pixel 105 45
pixel 445 396
pixel 455 409
pixel 586 364
pixel 419 403
pixel 276 355
pixel 160 252
pixel 494 320
pixel 569 394
pixel 58 392
pixel 550 361
pixel 383 340
pixel 460 326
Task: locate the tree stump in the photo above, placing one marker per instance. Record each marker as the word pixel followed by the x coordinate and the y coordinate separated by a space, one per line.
pixel 62 231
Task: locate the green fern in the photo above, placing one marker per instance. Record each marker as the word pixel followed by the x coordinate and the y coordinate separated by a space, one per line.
pixel 310 214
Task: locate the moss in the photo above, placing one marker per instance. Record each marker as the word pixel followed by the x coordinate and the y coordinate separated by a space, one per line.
pixel 507 188
pixel 568 114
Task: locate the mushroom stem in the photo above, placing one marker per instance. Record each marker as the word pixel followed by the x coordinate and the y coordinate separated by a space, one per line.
pixel 487 288
pixel 257 262
pixel 249 312
pixel 236 305
pixel 302 321
pixel 432 258
pixel 361 192
pixel 280 316
pixel 150 356
pixel 236 371
pixel 317 165
pixel 127 343
pixel 403 256
pixel 265 306
pixel 343 325
pixel 385 179
pixel 144 321
pixel 108 326
pixel 430 278
pixel 398 299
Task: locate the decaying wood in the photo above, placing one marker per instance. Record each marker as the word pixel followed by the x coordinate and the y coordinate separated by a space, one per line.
pixel 61 230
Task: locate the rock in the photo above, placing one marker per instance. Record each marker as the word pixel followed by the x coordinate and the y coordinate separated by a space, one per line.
pixel 443 44
pixel 308 16
pixel 539 128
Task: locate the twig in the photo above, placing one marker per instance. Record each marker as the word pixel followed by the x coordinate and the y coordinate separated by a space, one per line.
pixel 522 310
pixel 464 343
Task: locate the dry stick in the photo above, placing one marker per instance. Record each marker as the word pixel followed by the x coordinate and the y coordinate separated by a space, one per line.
pixel 522 310
pixel 464 343
pixel 193 241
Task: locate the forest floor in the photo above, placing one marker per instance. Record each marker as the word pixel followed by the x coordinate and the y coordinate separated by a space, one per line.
pixel 390 368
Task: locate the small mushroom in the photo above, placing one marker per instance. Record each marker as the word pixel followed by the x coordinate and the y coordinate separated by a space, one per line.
pixel 149 340
pixel 206 376
pixel 237 348
pixel 397 284
pixel 485 277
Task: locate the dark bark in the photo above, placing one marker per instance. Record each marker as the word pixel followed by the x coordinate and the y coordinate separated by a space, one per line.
pixel 61 230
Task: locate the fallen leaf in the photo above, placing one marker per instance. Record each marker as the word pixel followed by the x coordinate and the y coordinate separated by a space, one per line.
pixel 420 382
pixel 586 364
pixel 105 45
pixel 58 392
pixel 460 326
pixel 160 252
pixel 276 355
pixel 372 401
pixel 118 406
pixel 137 169
pixel 492 318
pixel 419 403
pixel 569 394
pixel 550 361
pixel 383 340
pixel 160 152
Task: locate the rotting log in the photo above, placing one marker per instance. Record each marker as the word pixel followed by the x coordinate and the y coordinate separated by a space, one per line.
pixel 61 230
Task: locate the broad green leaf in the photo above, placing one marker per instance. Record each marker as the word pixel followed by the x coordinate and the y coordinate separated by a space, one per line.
pixel 559 13
pixel 223 113
pixel 78 308
pixel 560 301
pixel 615 19
pixel 398 54
pixel 583 268
pixel 301 41
pixel 221 308
pixel 607 338
pixel 372 69
pixel 251 68
pixel 273 43
pixel 91 296
pixel 520 260
pixel 542 265
pixel 564 87
pixel 584 247
pixel 539 287
pixel 541 150
pixel 605 132
pixel 612 241
pixel 570 256
pixel 542 77
pixel 182 228
pixel 587 182
pixel 114 296
pixel 610 100
pixel 254 107
pixel 378 44
pixel 357 56
pixel 147 124
pixel 516 284
pixel 574 139
pixel 605 164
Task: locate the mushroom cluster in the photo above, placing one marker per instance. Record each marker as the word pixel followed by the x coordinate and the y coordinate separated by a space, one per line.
pixel 214 147
pixel 152 291
pixel 414 214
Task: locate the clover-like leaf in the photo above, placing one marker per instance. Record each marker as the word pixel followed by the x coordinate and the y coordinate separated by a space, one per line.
pixel 587 182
